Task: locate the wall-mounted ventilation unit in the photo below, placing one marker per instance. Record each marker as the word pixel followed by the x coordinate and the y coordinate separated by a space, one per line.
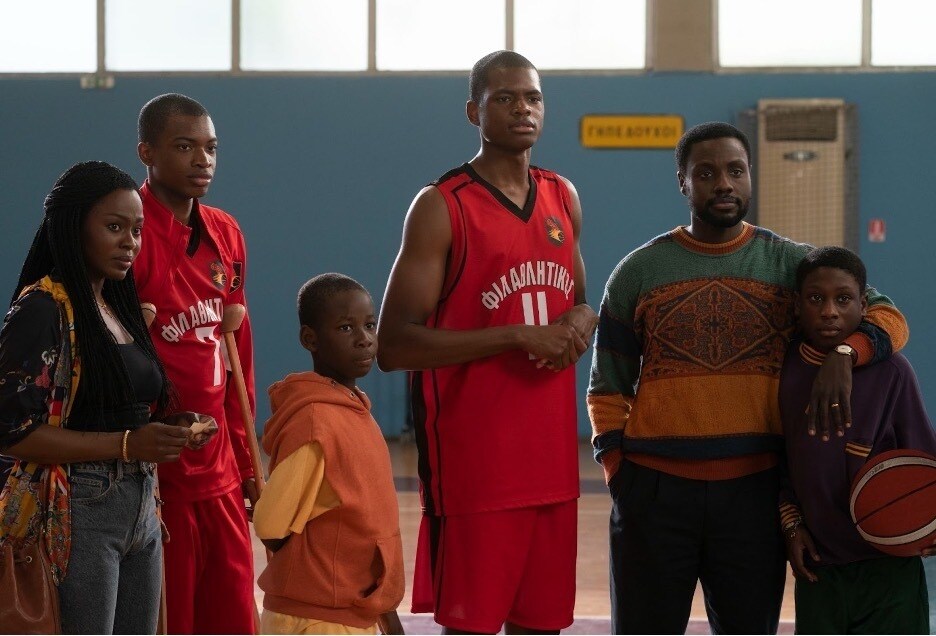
pixel 806 169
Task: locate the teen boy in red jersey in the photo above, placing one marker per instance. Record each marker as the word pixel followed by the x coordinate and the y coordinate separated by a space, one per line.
pixel 191 267
pixel 487 301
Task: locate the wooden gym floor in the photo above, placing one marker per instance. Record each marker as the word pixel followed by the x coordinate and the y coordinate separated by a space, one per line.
pixel 592 606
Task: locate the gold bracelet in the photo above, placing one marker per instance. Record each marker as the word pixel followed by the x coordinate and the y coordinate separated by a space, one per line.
pixel 123 446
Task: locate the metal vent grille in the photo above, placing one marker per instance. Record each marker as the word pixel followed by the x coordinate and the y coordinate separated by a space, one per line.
pixel 801 124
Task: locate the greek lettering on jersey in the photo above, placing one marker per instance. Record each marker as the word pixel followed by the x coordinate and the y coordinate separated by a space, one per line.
pixel 530 273
pixel 203 317
pixel 203 312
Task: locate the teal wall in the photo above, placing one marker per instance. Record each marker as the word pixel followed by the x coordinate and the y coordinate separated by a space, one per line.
pixel 320 171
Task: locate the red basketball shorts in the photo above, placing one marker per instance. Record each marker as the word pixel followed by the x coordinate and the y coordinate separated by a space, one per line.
pixel 478 571
pixel 209 566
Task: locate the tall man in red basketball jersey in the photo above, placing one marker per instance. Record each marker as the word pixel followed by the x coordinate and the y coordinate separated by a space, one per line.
pixel 486 301
pixel 192 266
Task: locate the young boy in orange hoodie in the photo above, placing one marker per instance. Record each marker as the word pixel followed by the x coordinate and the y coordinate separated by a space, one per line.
pixel 329 512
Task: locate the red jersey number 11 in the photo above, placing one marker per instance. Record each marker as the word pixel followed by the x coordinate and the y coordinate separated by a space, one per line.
pixel 529 317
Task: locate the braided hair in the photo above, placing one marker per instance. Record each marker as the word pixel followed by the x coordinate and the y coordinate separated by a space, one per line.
pixel 57 247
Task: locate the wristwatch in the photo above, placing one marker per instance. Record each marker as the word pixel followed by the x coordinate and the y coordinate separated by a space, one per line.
pixel 845 349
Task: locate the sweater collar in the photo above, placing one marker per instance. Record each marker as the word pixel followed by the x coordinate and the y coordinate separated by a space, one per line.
pixel 682 236
pixel 811 355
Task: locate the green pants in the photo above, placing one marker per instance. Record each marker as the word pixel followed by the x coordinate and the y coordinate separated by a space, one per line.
pixel 877 596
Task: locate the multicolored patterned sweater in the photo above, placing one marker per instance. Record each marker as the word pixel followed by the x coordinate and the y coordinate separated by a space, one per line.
pixel 690 343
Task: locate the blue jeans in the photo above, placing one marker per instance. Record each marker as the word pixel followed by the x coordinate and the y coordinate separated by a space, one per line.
pixel 114 574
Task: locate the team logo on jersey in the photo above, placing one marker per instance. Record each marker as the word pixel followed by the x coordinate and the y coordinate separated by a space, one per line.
pixel 238 277
pixel 218 277
pixel 554 231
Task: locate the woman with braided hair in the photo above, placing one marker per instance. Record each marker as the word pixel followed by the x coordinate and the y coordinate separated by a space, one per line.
pixel 79 379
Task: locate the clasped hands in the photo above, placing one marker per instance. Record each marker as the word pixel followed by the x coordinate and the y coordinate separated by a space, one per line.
pixel 561 343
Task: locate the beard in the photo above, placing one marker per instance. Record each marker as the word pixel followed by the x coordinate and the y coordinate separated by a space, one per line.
pixel 715 219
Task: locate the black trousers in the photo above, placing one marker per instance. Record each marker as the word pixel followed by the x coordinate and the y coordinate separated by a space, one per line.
pixel 668 532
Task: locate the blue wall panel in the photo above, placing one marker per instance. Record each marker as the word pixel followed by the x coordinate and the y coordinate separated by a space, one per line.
pixel 320 171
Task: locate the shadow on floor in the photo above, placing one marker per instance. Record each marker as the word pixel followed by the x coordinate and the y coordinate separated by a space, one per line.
pixel 423 624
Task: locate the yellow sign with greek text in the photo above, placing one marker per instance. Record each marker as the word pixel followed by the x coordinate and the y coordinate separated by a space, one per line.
pixel 630 131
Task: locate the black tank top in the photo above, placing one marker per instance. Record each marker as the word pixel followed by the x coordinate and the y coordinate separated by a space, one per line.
pixel 144 374
pixel 147 385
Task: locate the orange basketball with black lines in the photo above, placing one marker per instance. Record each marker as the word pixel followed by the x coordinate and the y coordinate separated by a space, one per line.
pixel 893 502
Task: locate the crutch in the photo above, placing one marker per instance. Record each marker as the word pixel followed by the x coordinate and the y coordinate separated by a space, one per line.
pixel 231 320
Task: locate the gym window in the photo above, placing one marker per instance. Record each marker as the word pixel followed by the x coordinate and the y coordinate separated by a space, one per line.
pixel 243 37
pixel 824 34
pixel 42 36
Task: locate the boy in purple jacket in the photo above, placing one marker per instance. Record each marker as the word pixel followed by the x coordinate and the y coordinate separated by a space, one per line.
pixel 844 585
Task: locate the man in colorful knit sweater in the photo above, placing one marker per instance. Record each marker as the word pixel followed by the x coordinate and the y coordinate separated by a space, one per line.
pixel 700 318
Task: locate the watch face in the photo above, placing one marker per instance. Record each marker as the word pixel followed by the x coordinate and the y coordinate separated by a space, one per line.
pixel 847 350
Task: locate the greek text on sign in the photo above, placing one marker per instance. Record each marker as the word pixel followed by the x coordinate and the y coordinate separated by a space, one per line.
pixel 630 131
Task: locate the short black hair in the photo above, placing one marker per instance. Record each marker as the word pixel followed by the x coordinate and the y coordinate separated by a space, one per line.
pixel 704 132
pixel 157 111
pixel 317 291
pixel 832 256
pixel 477 80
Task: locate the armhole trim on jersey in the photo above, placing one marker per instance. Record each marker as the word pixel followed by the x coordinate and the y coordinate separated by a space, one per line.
pixel 564 195
pixel 458 253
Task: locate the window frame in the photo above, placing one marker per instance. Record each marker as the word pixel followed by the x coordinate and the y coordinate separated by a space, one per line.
pixel 864 66
pixel 104 77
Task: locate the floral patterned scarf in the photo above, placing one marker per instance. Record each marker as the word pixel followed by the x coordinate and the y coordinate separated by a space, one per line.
pixel 34 503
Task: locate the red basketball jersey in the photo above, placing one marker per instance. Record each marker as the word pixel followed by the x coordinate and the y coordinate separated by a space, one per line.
pixel 499 433
pixel 190 292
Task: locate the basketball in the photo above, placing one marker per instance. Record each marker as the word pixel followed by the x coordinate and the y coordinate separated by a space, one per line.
pixel 893 502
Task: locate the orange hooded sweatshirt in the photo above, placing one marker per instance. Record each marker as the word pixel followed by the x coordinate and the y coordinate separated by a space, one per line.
pixel 347 564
